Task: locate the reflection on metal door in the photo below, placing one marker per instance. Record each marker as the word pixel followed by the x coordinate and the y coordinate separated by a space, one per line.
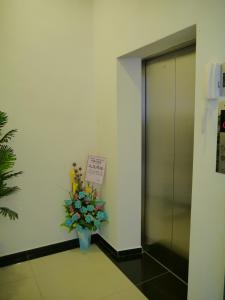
pixel 169 150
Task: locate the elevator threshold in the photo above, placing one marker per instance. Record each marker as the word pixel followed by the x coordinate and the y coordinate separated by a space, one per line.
pixel 171 260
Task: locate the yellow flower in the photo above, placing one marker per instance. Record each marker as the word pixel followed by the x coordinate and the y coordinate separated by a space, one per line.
pixel 88 189
pixel 74 187
pixel 72 176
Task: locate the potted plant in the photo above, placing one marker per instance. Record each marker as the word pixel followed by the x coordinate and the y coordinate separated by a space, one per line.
pixel 7 161
pixel 84 210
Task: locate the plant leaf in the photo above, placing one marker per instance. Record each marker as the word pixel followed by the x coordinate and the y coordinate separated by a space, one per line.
pixel 6 191
pixel 7 175
pixel 8 136
pixel 7 158
pixel 3 119
pixel 6 212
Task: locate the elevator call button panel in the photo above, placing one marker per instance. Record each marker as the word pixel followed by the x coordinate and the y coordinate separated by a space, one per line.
pixel 220 157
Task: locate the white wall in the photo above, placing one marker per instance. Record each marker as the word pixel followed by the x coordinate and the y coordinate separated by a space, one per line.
pixel 129 126
pixel 46 87
pixel 122 27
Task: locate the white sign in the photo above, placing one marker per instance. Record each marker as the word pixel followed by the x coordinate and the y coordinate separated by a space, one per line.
pixel 95 169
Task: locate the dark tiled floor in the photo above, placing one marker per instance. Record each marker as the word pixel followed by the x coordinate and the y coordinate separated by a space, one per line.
pixel 140 269
pixel 173 261
pixel 155 281
pixel 164 287
pixel 152 279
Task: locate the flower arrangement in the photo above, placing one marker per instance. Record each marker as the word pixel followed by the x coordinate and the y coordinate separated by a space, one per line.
pixel 84 209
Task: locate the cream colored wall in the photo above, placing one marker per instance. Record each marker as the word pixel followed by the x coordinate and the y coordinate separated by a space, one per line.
pixel 46 87
pixel 121 27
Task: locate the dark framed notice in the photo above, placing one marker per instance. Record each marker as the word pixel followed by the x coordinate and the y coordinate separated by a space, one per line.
pixel 220 153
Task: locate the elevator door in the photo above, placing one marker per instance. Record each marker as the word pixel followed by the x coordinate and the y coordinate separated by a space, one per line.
pixel 169 150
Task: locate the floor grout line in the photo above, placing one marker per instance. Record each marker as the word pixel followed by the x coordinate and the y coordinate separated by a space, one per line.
pixel 30 276
pixel 154 277
pixel 169 271
pixel 35 279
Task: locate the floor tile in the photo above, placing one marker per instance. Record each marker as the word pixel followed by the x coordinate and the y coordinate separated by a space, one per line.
pixel 15 272
pixel 130 294
pixel 141 269
pixel 20 290
pixel 76 275
pixel 165 287
pixel 173 261
pixel 58 263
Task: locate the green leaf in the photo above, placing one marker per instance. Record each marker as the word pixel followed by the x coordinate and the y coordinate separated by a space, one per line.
pixel 10 174
pixel 6 212
pixel 8 136
pixel 3 119
pixel 7 158
pixel 6 191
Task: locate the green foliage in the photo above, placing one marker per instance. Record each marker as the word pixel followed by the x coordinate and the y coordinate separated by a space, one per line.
pixel 3 119
pixel 7 161
pixel 5 211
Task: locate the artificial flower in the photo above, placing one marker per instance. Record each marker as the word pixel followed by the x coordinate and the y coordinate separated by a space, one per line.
pixel 83 210
pixel 82 195
pixel 101 215
pixel 68 222
pixel 97 223
pixel 74 187
pixel 90 208
pixel 89 219
pixel 72 210
pixel 99 207
pixel 78 227
pixel 68 202
pixel 74 218
pixel 88 189
pixel 99 202
pixel 77 204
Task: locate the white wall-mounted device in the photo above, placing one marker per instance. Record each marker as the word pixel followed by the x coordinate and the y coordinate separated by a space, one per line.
pixel 223 81
pixel 214 77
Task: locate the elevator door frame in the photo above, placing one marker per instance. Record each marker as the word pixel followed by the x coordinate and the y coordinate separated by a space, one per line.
pixel 190 48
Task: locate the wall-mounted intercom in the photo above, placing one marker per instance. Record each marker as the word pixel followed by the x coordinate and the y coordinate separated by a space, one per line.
pixel 214 81
pixel 223 81
pixel 220 155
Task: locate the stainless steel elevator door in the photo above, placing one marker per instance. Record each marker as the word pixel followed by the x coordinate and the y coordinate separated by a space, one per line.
pixel 169 150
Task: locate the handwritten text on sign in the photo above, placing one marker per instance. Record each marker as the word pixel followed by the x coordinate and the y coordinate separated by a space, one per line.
pixel 95 169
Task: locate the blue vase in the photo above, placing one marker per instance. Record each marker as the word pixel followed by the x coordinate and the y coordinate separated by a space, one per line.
pixel 84 236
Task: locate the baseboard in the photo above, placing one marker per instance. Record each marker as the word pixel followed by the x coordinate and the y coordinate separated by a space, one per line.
pixel 117 255
pixel 67 245
pixel 38 252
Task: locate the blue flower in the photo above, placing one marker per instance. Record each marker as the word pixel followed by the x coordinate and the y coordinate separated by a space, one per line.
pixel 83 210
pixel 68 222
pixel 101 215
pixel 97 223
pixel 79 227
pixel 90 207
pixel 68 202
pixel 89 218
pixel 74 218
pixel 82 195
pixel 77 204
